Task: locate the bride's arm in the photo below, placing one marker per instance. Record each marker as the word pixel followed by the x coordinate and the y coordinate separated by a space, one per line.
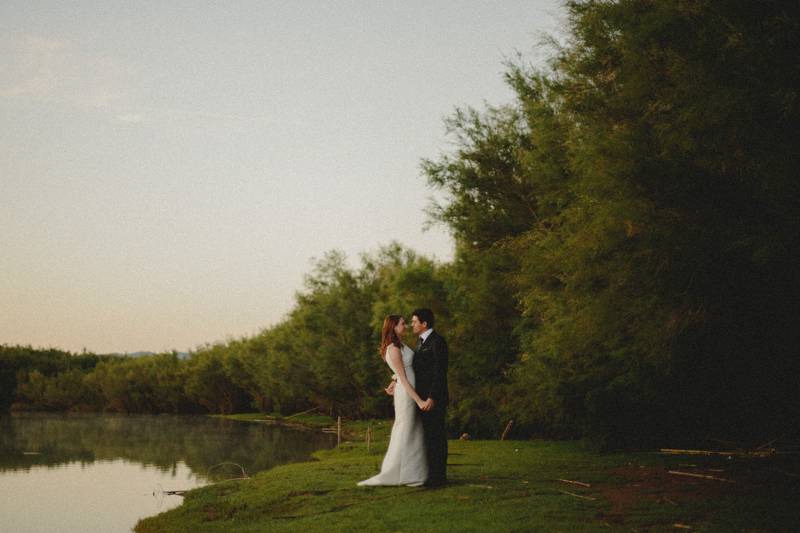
pixel 396 358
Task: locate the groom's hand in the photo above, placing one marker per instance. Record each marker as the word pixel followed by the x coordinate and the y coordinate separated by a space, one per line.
pixel 390 389
pixel 427 405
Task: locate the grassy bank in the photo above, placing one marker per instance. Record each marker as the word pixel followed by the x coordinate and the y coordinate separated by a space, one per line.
pixel 500 486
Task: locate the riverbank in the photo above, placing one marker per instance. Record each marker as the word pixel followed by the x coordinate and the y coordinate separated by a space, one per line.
pixel 500 486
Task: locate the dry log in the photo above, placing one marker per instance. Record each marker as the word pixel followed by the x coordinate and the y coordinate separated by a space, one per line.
pixel 301 413
pixel 767 444
pixel 732 453
pixel 702 476
pixel 578 495
pixel 581 483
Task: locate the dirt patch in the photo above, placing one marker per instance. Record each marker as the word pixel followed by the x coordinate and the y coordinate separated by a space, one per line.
pixel 640 484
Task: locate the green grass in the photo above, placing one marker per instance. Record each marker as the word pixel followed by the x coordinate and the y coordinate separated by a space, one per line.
pixel 495 486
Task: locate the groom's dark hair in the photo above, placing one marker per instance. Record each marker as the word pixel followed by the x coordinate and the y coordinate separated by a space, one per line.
pixel 425 315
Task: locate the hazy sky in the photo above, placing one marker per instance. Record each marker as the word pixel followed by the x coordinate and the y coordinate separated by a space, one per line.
pixel 168 170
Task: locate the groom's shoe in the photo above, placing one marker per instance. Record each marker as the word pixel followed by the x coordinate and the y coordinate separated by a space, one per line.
pixel 435 483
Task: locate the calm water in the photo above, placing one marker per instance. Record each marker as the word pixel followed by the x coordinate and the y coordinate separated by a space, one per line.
pixel 103 473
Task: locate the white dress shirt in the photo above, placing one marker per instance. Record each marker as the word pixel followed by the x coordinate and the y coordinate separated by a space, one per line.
pixel 425 334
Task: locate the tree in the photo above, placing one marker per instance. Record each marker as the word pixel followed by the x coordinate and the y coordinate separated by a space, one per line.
pixel 209 385
pixel 637 207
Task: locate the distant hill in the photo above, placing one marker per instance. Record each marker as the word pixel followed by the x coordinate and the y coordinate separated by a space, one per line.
pixel 181 355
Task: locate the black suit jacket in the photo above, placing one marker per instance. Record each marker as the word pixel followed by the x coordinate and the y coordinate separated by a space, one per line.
pixel 430 369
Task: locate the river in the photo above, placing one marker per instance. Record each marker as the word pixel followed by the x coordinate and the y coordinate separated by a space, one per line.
pixel 91 472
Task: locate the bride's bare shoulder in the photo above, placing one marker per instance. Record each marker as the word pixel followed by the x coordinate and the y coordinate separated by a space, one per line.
pixel 392 350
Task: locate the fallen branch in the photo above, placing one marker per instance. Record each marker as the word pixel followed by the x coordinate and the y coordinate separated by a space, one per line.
pixel 767 445
pixel 301 413
pixel 755 453
pixel 702 476
pixel 582 497
pixel 581 483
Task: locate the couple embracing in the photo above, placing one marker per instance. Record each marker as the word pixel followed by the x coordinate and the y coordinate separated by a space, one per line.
pixel 417 453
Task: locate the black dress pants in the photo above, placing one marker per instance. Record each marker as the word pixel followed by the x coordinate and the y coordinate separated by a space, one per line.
pixel 433 423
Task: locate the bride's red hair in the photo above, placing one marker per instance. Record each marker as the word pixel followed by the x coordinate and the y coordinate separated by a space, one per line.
pixel 389 335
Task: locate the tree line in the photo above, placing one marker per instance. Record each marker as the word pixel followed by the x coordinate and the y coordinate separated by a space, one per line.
pixel 624 268
pixel 324 354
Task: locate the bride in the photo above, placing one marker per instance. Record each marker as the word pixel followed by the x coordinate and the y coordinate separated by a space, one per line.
pixel 404 462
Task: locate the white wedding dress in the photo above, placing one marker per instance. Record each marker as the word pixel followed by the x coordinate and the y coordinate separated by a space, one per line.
pixel 405 462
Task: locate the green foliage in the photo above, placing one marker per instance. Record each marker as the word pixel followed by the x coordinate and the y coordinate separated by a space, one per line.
pixel 67 390
pixel 645 194
pixel 209 382
pixel 18 362
pixel 325 353
pixel 672 261
pixel 333 335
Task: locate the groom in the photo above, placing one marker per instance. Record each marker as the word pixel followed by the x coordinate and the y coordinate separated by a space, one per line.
pixel 430 370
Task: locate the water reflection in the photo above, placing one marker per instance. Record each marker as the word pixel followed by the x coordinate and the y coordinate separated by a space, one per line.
pixel 104 473
pixel 103 496
pixel 160 441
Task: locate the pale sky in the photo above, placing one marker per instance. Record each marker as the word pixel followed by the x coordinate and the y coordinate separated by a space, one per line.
pixel 168 170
